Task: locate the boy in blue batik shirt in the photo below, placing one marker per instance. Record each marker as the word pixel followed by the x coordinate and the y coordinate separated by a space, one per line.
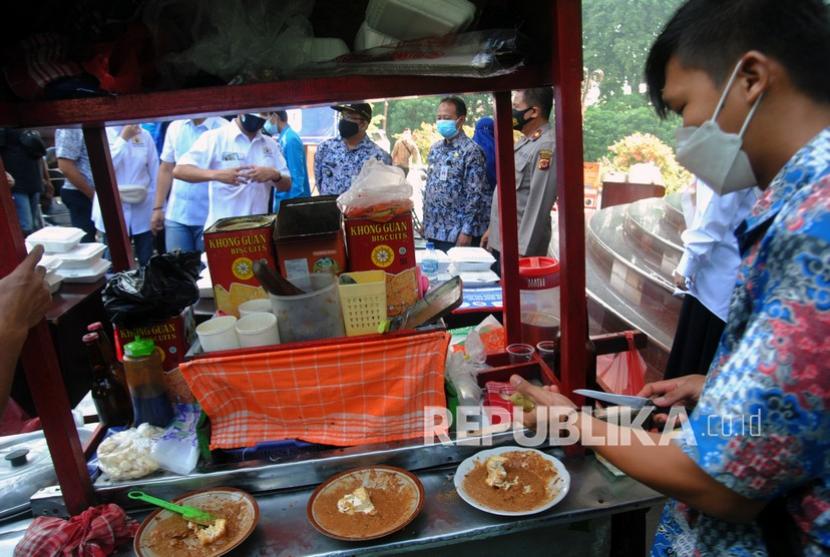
pixel 750 471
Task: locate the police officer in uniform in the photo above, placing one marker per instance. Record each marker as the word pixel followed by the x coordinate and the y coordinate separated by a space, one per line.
pixel 535 176
pixel 339 160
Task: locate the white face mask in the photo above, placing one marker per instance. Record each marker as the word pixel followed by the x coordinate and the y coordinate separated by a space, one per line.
pixel 715 156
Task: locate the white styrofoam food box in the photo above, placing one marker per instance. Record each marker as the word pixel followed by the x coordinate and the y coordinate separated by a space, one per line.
pixel 367 38
pixel 322 49
pixel 471 259
pixel 55 239
pixel 87 274
pixel 53 281
pixel 441 257
pixel 415 19
pixel 472 279
pixel 82 256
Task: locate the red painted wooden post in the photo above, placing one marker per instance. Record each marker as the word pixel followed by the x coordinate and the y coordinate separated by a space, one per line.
pixel 40 362
pixel 506 178
pixel 567 72
pixel 106 190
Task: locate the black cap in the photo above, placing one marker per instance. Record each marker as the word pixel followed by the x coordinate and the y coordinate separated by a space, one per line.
pixel 364 110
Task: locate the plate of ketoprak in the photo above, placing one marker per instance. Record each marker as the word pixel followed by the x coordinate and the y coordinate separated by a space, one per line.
pixel 167 534
pixel 366 503
pixel 512 481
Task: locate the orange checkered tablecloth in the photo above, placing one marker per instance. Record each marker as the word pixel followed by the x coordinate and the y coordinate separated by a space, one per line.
pixel 339 394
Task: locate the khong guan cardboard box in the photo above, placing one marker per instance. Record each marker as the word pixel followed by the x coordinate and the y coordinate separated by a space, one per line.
pixel 232 245
pixel 309 237
pixel 390 247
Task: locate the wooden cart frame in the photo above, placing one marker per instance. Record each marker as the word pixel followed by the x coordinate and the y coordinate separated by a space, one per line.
pixel 563 71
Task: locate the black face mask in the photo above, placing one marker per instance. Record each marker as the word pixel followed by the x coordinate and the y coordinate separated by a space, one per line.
pixel 251 123
pixel 519 118
pixel 348 128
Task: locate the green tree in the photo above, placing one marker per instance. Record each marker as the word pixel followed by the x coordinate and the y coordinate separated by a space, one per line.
pixel 610 120
pixel 616 36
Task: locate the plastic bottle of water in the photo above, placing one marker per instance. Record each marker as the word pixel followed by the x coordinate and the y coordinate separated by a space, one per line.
pixel 429 264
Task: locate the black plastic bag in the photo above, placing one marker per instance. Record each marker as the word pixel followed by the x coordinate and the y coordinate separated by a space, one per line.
pixel 153 293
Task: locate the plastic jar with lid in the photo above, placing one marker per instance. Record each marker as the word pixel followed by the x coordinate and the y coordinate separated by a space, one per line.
pixel 539 297
pixel 145 379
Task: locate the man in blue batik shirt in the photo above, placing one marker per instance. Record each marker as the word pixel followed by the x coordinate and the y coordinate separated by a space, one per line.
pixel 294 152
pixel 456 208
pixel 340 159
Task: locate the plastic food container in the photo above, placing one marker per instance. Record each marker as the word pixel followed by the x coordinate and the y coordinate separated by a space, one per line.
pixel 82 256
pixel 414 19
pixel 364 303
pixel 55 239
pixel 257 329
pixel 145 380
pixel 313 315
pixel 218 334
pixel 93 273
pixel 539 296
pixel 471 259
pixel 367 38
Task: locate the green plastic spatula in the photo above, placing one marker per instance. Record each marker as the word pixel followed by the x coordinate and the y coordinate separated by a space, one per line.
pixel 191 514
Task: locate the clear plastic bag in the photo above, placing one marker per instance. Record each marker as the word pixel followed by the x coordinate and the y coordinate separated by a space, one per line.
pixel 251 40
pixel 473 54
pixel 126 455
pixel 379 192
pixel 461 372
pixel 178 450
pixel 622 373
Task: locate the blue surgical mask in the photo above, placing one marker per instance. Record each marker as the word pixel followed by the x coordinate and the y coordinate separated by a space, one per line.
pixel 271 128
pixel 446 128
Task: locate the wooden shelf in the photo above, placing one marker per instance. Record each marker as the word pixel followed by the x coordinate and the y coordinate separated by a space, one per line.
pixel 220 100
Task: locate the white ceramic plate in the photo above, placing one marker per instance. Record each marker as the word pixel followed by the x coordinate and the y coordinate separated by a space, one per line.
pixel 562 482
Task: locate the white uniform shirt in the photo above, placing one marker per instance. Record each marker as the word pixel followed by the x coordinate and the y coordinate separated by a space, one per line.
pixel 710 249
pixel 228 147
pixel 136 163
pixel 188 203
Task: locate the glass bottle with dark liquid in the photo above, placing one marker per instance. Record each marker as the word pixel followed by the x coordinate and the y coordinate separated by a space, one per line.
pixel 108 351
pixel 108 393
pixel 145 379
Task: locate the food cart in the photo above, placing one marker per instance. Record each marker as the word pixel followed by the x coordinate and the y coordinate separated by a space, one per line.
pixel 282 489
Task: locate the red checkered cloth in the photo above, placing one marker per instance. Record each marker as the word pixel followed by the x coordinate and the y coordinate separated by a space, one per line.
pixel 96 532
pixel 341 394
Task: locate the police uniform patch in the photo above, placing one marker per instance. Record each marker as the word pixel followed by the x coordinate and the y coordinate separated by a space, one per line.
pixel 544 159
